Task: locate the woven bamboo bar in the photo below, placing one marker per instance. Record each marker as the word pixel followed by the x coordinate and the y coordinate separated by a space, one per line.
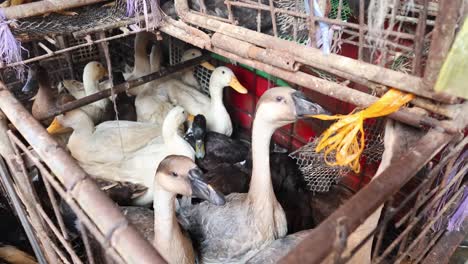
pixel 366 201
pixel 328 88
pixel 314 57
pixel 43 7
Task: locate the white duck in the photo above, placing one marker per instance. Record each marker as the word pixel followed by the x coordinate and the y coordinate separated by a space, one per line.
pixel 150 106
pixel 195 102
pixel 248 222
pixel 93 72
pixel 175 175
pixel 125 151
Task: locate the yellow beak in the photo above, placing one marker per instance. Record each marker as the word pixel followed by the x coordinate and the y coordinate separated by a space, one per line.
pixel 190 117
pixel 208 66
pixel 105 73
pixel 235 84
pixel 56 128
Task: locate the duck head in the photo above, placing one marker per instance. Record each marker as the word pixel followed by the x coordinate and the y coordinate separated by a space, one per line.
pixel 67 121
pixel 199 132
pixel 173 120
pixel 288 105
pixel 194 53
pixel 223 76
pixel 32 84
pixel 180 175
pixel 95 71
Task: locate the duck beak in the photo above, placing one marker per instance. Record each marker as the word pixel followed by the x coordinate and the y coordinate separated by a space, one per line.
pixel 56 128
pixel 236 85
pixel 202 190
pixel 306 108
pixel 105 73
pixel 190 118
pixel 199 149
pixel 208 66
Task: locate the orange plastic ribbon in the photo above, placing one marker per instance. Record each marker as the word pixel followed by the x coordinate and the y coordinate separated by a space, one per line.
pixel 346 136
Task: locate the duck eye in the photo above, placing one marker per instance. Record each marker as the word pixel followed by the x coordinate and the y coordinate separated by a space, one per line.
pixel 174 174
pixel 193 54
pixel 223 72
pixel 279 98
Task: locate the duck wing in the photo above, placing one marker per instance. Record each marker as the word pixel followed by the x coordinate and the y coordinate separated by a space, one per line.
pixel 142 218
pixel 228 178
pixel 278 249
pixel 222 234
pixel 220 148
pixel 192 100
pixel 121 192
pixel 73 87
pixel 152 108
pixel 76 88
pixel 126 136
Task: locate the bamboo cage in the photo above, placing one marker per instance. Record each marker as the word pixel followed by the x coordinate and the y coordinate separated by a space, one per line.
pixel 413 195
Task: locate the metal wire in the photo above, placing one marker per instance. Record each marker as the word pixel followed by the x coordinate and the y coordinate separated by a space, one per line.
pixel 320 176
pixel 203 75
pixel 88 17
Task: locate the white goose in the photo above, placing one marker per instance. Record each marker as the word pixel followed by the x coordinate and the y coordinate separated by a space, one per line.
pixel 233 233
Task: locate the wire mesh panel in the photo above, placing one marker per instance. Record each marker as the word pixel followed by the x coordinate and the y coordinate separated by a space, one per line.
pixel 317 170
pixel 84 18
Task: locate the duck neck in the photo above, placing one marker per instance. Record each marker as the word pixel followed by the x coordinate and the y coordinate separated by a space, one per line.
pixel 260 184
pixel 216 92
pixel 82 132
pixel 168 237
pixel 165 221
pixel 91 85
pixel 44 96
pixel 171 137
pixel 142 63
pixel 216 102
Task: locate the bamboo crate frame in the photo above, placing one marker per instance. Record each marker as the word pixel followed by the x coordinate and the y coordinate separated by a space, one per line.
pixel 122 237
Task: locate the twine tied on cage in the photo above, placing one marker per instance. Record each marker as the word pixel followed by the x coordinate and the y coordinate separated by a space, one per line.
pixel 149 8
pixel 345 138
pixel 322 36
pixel 456 220
pixel 10 47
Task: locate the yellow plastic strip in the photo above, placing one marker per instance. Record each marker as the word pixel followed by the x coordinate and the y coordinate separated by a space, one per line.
pixel 346 136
